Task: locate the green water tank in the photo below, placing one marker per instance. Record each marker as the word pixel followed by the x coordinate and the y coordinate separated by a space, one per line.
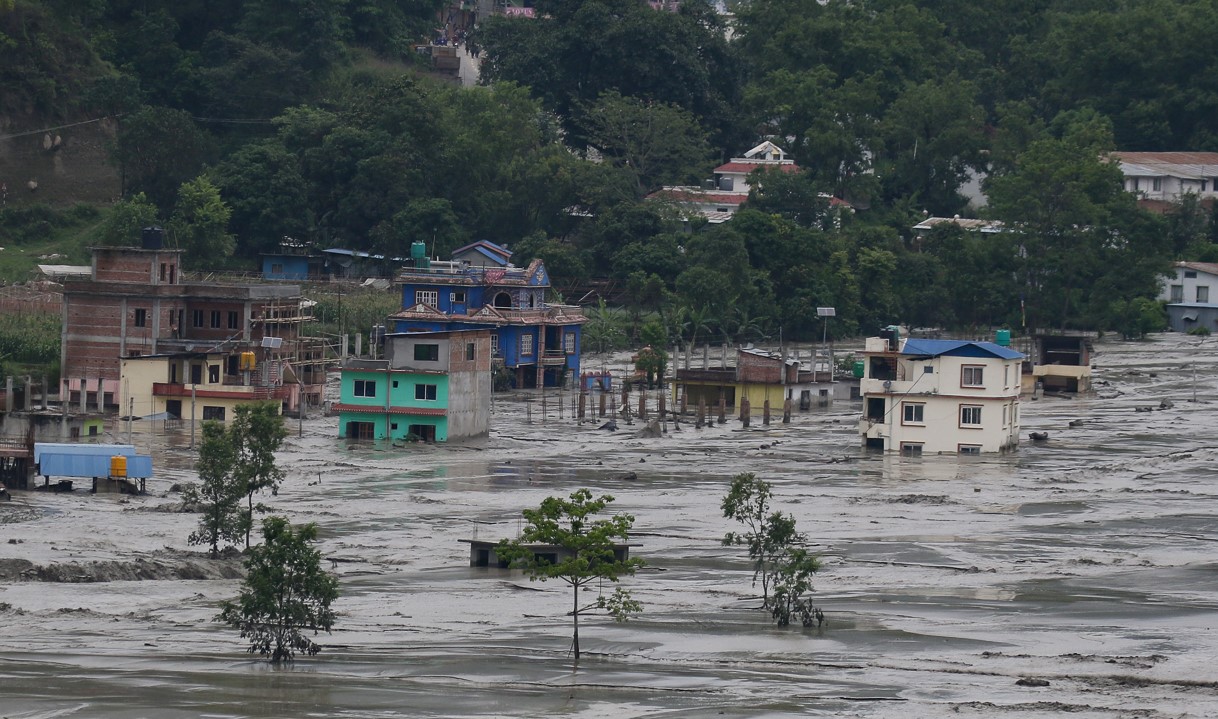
pixel 418 253
pixel 1002 338
pixel 860 369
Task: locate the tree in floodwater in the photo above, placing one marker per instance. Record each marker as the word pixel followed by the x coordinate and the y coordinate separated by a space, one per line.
pixel 219 493
pixel 783 568
pixel 285 593
pixel 584 552
pixel 256 432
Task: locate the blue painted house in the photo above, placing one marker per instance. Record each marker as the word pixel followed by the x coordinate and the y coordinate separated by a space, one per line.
pixel 296 263
pixel 480 288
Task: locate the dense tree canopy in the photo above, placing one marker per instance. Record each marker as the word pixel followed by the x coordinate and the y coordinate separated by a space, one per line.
pixel 316 120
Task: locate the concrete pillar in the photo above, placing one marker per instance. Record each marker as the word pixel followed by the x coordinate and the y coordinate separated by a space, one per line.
pixel 583 403
pixel 602 403
pixel 643 406
pixel 701 414
pixel 745 416
pixel 722 409
pixel 786 411
pixel 765 412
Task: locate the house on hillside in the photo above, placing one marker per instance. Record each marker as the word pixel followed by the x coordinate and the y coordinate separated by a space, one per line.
pixel 923 396
pixel 136 302
pixel 1191 294
pixel 721 197
pixel 431 386
pixel 1160 179
pixel 479 288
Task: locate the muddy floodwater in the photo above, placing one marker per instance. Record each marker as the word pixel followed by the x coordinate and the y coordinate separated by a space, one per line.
pixel 1086 564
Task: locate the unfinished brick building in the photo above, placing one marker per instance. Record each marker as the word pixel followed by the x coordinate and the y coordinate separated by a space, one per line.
pixel 136 304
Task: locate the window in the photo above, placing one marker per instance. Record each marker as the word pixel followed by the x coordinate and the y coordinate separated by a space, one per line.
pixel 163 267
pixel 928 369
pixel 426 353
pixel 457 298
pixel 911 449
pixel 425 392
pixel 972 376
pixel 134 353
pixel 213 413
pixel 213 373
pixel 365 388
pixel 470 351
pixel 568 343
pixel 427 297
pixel 234 320
pixel 495 345
pixel 276 268
pixel 395 384
pixel 1137 184
pixel 1190 274
pixel 526 344
pixel 1177 293
pixel 215 319
pixel 141 317
pixel 196 318
pixel 1006 376
pixel 970 415
pixel 970 449
pixel 1156 184
pixel 1203 293
pixel 913 412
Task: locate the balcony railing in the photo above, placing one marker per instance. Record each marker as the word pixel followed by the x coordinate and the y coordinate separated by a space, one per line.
pixel 168 389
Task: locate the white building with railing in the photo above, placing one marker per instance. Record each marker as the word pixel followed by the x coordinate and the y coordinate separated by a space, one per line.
pixel 924 396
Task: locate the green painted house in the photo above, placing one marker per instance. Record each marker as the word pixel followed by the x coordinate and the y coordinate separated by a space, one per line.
pixel 431 386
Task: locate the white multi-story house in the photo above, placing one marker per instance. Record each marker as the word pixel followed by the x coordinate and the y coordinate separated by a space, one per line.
pixel 1191 282
pixel 1162 178
pixel 1191 294
pixel 924 396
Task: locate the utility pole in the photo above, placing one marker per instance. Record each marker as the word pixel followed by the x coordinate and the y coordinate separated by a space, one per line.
pixel 824 313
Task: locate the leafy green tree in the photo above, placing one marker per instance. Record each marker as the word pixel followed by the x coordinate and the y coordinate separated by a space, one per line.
pixel 658 144
pixel 285 594
pixel 586 552
pixel 791 596
pixel 256 432
pixel 158 149
pixel 219 493
pixel 771 540
pixel 605 329
pixel 200 223
pixel 652 362
pixel 1073 227
pixel 264 186
pixel 126 220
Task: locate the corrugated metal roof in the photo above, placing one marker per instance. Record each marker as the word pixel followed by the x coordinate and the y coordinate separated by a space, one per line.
pixel 106 450
pixel 1187 165
pixel 957 348
pixel 55 464
pixel 1207 267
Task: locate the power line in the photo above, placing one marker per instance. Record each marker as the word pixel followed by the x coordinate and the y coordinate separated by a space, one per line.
pixel 49 129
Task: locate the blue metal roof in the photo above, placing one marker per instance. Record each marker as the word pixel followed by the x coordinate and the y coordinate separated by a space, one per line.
pixel 101 450
pixel 54 464
pixel 958 348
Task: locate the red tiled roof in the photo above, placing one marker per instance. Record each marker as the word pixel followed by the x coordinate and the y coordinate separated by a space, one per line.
pixel 749 166
pixel 1208 267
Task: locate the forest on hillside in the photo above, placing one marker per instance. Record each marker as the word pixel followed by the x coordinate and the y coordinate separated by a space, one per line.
pixel 241 122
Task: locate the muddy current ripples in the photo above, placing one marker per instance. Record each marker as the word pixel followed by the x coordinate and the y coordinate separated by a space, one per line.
pixel 1075 577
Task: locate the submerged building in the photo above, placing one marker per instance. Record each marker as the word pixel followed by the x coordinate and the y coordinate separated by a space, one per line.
pixel 536 340
pixel 431 386
pixel 924 396
pixel 135 303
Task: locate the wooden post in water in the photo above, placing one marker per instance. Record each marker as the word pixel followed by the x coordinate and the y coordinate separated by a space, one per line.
pixel 528 411
pixel 722 408
pixel 745 413
pixel 602 405
pixel 684 399
pixel 663 402
pixel 765 412
pixel 786 411
pixel 701 420
pixel 544 416
pixel 583 404
pixel 643 406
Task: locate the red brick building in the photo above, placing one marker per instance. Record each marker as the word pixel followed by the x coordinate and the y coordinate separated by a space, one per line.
pixel 135 303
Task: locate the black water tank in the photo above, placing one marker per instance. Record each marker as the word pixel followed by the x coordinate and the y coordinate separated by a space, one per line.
pixel 153 238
